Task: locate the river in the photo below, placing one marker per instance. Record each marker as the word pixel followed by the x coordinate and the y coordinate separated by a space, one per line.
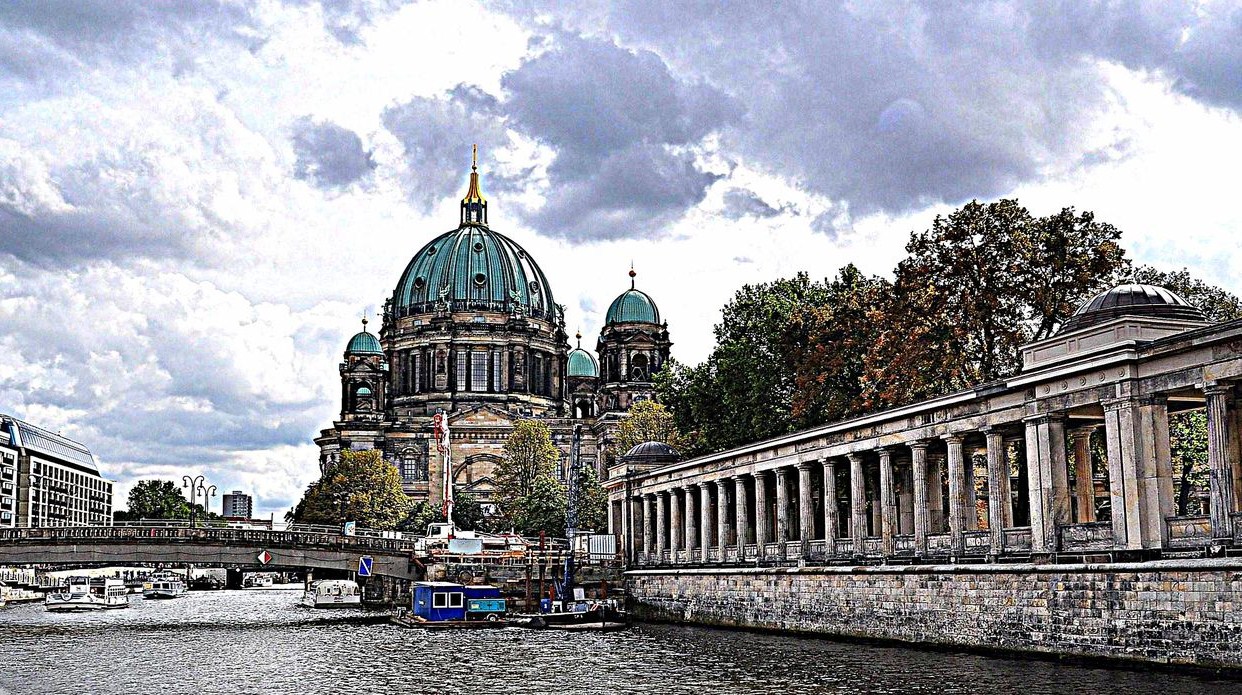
pixel 260 641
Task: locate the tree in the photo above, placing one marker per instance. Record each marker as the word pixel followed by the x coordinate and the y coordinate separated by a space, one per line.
pixel 421 514
pixel 1188 449
pixel 592 500
pixel 530 497
pixel 467 512
pixel 744 390
pixel 362 487
pixel 647 421
pixel 156 499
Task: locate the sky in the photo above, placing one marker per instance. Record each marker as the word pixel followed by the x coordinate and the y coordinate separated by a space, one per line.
pixel 199 200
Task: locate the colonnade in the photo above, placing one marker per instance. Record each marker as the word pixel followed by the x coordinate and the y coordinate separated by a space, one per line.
pixel 923 497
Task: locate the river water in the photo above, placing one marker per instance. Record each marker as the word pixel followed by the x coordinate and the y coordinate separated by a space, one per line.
pixel 260 641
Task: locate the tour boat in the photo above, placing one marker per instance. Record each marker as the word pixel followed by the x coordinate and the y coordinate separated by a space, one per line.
pixel 12 594
pixel 579 614
pixel 166 585
pixel 88 594
pixel 332 593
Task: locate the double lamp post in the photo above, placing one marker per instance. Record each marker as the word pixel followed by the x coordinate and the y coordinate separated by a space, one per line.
pixel 198 488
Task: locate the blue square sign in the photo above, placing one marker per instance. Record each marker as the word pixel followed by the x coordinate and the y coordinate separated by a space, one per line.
pixel 364 566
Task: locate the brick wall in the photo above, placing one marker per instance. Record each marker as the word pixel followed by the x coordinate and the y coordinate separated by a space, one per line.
pixel 1168 611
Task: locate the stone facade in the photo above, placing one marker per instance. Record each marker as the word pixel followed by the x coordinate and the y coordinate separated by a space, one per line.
pixel 1176 612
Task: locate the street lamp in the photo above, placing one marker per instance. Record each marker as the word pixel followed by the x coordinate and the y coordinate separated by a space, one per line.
pixel 198 487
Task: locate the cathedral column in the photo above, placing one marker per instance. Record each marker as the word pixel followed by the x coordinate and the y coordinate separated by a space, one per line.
pixel 806 508
pixel 888 501
pixel 661 523
pixel 1084 481
pixel 761 511
pixel 999 510
pixel 782 505
pixel 918 465
pixel 858 502
pixel 691 518
pixel 649 541
pixel 705 519
pixel 830 505
pixel 674 520
pixel 957 489
pixel 1219 464
pixel 1046 479
pixel 739 513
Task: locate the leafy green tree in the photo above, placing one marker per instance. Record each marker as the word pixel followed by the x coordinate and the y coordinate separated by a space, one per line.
pixel 647 421
pixel 362 487
pixel 467 512
pixel 420 515
pixel 156 499
pixel 744 390
pixel 1188 449
pixel 592 500
pixel 530 497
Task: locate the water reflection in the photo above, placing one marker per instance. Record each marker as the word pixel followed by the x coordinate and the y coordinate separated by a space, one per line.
pixel 261 642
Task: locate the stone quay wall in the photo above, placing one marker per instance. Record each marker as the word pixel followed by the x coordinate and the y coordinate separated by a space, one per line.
pixel 1169 611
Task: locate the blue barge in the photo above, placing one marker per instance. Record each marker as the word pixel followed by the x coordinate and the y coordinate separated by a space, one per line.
pixel 445 604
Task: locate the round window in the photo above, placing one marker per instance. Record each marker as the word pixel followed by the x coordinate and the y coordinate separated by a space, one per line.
pixel 480 279
pixel 478 246
pixel 419 283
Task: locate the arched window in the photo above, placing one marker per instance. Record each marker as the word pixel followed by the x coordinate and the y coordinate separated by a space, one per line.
pixel 638 367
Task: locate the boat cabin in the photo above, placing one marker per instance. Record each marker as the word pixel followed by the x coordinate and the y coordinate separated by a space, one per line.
pixel 444 601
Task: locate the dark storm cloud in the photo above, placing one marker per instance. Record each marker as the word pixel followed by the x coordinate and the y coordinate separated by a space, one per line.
pixel 899 105
pixel 437 133
pixel 739 203
pixel 328 155
pixel 620 123
pixel 60 238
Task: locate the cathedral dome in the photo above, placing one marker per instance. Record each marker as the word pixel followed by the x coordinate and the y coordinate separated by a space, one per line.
pixel 364 343
pixel 633 305
pixel 1132 300
pixel 581 363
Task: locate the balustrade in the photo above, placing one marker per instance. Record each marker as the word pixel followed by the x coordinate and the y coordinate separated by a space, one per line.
pixel 976 542
pixel 1189 531
pixel 843 547
pixel 1095 535
pixel 904 546
pixel 1018 539
pixel 939 544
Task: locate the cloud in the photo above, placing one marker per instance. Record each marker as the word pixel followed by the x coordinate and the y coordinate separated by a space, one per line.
pixel 739 203
pixel 328 155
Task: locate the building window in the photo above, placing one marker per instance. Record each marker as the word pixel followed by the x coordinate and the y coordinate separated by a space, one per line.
pixel 418 372
pixel 496 373
pixel 460 384
pixel 478 371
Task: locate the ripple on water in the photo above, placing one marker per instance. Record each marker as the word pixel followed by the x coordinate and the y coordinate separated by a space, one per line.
pixel 262 642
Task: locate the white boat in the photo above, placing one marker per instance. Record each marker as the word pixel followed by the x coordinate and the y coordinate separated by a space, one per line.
pixel 88 594
pixel 332 593
pixel 165 585
pixel 14 594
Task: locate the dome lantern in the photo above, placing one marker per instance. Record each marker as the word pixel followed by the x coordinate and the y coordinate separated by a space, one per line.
pixel 474 205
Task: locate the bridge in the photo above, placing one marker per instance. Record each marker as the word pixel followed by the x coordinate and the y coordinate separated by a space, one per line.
pixel 292 548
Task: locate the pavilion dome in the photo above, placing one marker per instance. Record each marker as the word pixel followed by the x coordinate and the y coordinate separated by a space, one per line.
pixel 633 306
pixel 651 452
pixel 1132 300
pixel 364 343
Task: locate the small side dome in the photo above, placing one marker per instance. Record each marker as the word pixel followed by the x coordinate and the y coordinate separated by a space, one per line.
pixel 633 305
pixel 364 391
pixel 582 363
pixel 651 452
pixel 364 343
pixel 1132 300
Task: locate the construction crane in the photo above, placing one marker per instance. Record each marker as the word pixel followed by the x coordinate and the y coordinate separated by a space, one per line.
pixel 566 587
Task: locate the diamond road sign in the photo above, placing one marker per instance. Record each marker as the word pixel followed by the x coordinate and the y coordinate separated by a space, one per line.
pixel 364 566
pixel 265 557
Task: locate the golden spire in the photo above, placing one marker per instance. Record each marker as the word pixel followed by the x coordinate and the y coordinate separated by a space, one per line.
pixel 473 195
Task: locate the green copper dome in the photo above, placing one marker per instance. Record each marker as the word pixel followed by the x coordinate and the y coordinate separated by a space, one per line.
pixel 364 343
pixel 473 267
pixel 582 363
pixel 633 305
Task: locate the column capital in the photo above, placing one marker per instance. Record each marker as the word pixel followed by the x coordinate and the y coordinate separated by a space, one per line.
pixel 952 437
pixel 1043 418
pixel 805 465
pixel 1217 388
pixel 688 487
pixel 992 430
pixel 919 444
pixel 649 496
pixel 1083 432
pixel 781 471
pixel 854 456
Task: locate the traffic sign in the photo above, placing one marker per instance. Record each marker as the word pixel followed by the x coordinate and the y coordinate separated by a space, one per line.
pixel 264 557
pixel 364 566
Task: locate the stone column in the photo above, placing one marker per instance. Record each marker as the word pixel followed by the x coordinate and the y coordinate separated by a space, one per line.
pixel 918 466
pixel 806 508
pixel 1084 481
pixel 1219 465
pixel 830 504
pixel 636 518
pixel 649 541
pixel 661 522
pixel 1000 512
pixel 957 489
pixel 691 517
pixel 761 511
pixel 722 514
pixel 705 519
pixel 858 502
pixel 741 522
pixel 1046 479
pixel 1139 470
pixel 888 501
pixel 674 520
pixel 782 504
pixel 936 522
